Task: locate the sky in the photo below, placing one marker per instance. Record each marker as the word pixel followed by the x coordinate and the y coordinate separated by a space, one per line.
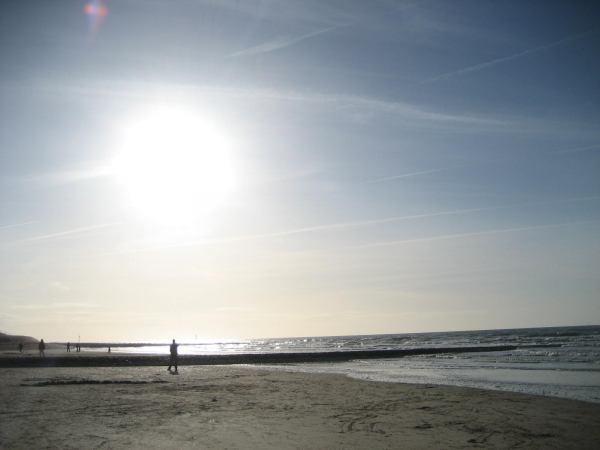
pixel 262 168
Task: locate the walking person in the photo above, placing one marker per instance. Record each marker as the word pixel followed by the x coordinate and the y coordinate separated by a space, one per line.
pixel 42 348
pixel 174 357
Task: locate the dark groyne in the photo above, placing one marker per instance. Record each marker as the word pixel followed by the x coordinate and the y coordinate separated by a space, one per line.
pixel 116 360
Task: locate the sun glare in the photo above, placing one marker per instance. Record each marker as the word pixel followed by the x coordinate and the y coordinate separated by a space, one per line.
pixel 173 166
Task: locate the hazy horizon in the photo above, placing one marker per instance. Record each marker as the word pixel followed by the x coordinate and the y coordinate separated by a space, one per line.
pixel 275 168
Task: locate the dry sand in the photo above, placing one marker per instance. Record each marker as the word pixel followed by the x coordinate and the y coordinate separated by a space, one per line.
pixel 239 407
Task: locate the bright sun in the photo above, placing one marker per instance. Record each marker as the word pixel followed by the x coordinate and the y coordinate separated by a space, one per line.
pixel 173 166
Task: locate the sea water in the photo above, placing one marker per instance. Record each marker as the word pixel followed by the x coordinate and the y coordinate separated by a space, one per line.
pixel 561 361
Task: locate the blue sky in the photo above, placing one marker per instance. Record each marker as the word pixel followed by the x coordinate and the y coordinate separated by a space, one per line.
pixel 397 167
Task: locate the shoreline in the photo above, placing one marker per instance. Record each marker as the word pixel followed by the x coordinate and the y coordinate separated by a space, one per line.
pixel 244 407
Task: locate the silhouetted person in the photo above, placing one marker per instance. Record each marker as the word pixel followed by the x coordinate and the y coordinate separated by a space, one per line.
pixel 20 347
pixel 42 348
pixel 68 347
pixel 174 356
pixel 109 349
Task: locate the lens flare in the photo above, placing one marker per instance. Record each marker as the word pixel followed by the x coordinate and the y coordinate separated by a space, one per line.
pixel 96 10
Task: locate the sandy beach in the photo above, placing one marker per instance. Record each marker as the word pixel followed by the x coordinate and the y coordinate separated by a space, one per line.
pixel 244 407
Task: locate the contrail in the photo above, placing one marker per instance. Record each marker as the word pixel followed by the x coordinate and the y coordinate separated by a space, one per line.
pixel 74 231
pixel 497 61
pixel 353 224
pixel 410 174
pixel 15 225
pixel 576 149
pixel 282 42
pixel 444 169
pixel 470 234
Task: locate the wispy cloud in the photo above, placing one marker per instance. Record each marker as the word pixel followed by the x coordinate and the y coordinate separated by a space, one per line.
pixel 351 224
pixel 410 174
pixel 16 225
pixel 480 163
pixel 495 62
pixel 282 42
pixel 444 237
pixel 303 230
pixel 89 172
pixel 404 110
pixel 68 233
pixel 412 114
pixel 577 149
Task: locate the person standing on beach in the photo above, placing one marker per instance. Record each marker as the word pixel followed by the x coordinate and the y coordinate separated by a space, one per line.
pixel 174 357
pixel 42 348
pixel 68 347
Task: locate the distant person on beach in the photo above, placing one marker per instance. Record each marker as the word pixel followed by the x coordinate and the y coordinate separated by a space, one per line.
pixel 109 349
pixel 174 357
pixel 20 347
pixel 68 347
pixel 42 348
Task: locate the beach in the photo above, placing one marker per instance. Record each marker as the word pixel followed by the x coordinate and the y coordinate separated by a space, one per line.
pixel 239 407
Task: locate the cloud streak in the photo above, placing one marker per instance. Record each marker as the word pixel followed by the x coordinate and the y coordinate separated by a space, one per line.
pixel 586 148
pixel 70 176
pixel 411 114
pixel 444 237
pixel 351 224
pixel 16 225
pixel 411 174
pixel 68 233
pixel 497 61
pixel 282 42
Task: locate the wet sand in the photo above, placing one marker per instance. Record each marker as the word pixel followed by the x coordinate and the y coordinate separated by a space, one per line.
pixel 235 407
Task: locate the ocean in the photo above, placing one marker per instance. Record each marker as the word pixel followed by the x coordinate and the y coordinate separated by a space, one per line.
pixel 559 361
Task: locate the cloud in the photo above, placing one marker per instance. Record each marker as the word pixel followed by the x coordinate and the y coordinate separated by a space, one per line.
pixel 480 163
pixel 410 174
pixel 495 62
pixel 91 171
pixel 403 110
pixel 410 113
pixel 577 149
pixel 68 233
pixel 281 42
pixel 355 224
pixel 444 237
pixel 16 225
pixel 311 229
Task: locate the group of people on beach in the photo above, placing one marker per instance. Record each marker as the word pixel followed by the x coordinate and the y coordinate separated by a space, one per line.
pixel 42 347
pixel 173 350
pixel 77 347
